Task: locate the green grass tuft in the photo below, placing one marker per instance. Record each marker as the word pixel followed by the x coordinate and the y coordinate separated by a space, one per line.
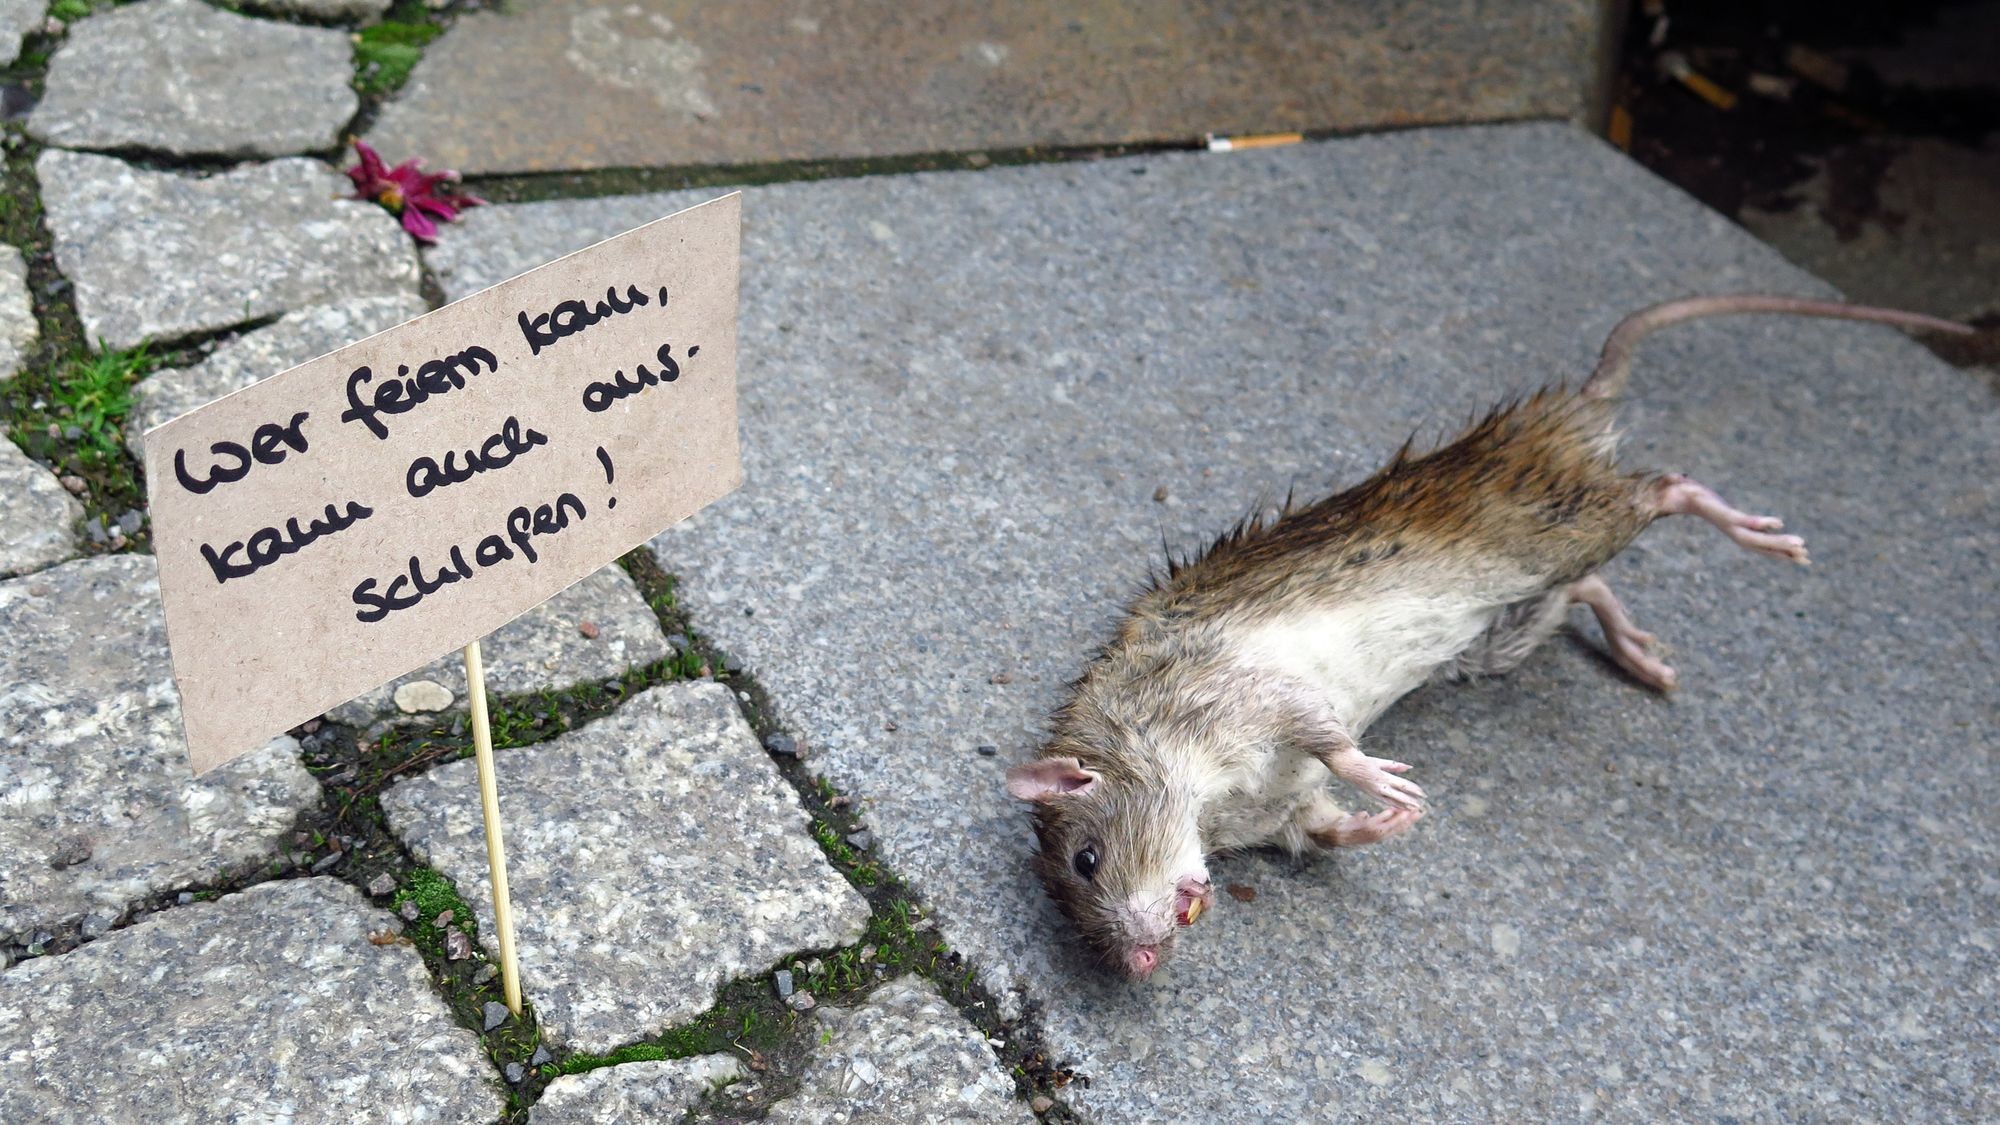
pixel 70 415
pixel 94 393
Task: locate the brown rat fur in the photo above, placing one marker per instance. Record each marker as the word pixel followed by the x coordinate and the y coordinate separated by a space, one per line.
pixel 1240 680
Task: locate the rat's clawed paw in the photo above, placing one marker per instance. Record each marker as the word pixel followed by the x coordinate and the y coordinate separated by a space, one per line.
pixel 1786 548
pixel 1378 778
pixel 1633 653
pixel 1357 829
pixel 1680 496
pixel 1631 646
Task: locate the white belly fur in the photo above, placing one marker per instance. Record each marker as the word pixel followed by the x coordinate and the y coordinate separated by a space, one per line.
pixel 1364 655
pixel 1361 656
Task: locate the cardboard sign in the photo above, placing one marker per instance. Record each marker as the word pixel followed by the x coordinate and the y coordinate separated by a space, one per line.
pixel 358 516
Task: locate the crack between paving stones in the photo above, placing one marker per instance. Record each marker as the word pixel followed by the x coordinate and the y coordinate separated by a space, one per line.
pixel 403 14
pixel 346 837
pixel 536 187
pixel 379 851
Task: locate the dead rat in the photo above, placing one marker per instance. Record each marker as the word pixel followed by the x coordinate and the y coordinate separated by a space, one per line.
pixel 1242 679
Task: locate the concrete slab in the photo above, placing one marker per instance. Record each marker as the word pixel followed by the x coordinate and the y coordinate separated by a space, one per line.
pixel 574 84
pixel 269 1005
pixel 1770 896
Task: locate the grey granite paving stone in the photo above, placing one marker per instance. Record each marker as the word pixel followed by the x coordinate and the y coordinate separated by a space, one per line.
pixel 653 855
pixel 544 648
pixel 38 516
pixel 161 255
pixel 634 1092
pixel 17 19
pixel 181 77
pixel 19 330
pixel 575 84
pixel 296 337
pixel 1771 895
pixel 902 1055
pixel 266 1005
pixel 100 807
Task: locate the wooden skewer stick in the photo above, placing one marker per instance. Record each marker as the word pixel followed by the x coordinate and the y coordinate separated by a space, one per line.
pixel 489 804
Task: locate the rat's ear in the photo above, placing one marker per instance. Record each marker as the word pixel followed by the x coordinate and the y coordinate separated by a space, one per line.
pixel 1045 779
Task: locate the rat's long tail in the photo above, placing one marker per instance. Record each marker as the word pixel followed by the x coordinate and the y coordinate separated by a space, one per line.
pixel 1613 364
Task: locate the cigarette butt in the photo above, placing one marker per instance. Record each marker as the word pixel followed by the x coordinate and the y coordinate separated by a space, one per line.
pixel 1775 86
pixel 1677 68
pixel 1254 140
pixel 1619 128
pixel 1709 91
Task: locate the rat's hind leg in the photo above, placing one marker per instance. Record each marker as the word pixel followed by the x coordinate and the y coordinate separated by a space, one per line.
pixel 1677 495
pixel 1518 631
pixel 1630 644
pixel 1322 822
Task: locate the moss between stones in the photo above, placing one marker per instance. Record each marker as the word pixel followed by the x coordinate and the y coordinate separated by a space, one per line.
pixel 348 837
pixel 433 897
pixel 386 53
pixel 70 11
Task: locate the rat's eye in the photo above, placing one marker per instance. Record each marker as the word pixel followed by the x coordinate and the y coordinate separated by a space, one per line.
pixel 1086 862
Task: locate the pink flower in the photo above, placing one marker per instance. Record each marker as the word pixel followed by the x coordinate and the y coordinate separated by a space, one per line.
pixel 409 192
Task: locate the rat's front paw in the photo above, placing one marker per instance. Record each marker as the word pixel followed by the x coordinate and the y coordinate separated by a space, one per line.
pixel 1355 830
pixel 1377 777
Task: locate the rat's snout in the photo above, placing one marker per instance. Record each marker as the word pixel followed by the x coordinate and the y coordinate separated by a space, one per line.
pixel 1150 921
pixel 1141 961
